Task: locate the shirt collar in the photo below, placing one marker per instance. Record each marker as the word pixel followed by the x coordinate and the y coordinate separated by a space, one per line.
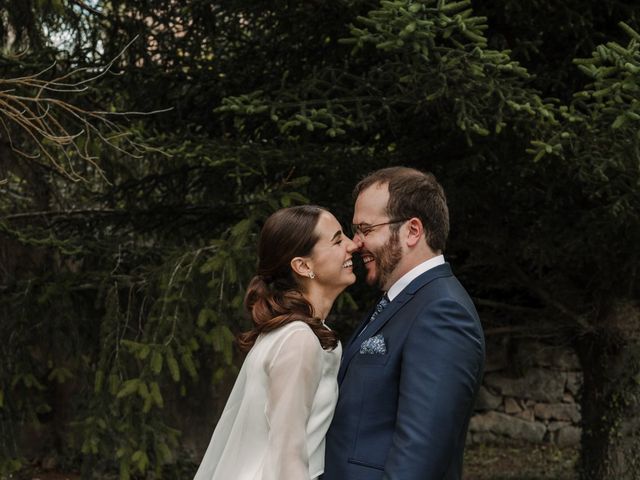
pixel 408 277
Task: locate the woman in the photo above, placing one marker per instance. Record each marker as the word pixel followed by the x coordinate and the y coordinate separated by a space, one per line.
pixel 279 410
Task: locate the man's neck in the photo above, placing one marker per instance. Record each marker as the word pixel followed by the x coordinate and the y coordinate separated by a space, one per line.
pixel 410 261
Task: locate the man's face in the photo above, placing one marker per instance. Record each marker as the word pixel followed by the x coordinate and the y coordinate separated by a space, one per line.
pixel 380 250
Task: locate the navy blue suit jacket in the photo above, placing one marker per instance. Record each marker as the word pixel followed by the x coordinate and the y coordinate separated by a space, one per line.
pixel 404 415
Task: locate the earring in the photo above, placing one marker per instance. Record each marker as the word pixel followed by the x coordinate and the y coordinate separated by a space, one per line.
pixel 312 275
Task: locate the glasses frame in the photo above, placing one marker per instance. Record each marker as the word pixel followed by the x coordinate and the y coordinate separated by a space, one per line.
pixel 359 229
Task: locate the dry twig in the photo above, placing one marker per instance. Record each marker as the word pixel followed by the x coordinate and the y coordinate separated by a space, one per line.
pixel 56 126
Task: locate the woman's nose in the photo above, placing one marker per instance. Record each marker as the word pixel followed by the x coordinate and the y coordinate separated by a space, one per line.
pixel 354 244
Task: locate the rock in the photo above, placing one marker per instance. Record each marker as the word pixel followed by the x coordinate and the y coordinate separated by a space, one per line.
pixel 511 406
pixel 506 425
pixel 555 426
pixel 532 354
pixel 568 436
pixel 566 359
pixel 486 400
pixel 568 398
pixel 526 415
pixel 482 422
pixel 574 383
pixel 558 411
pixel 537 384
pixel 486 437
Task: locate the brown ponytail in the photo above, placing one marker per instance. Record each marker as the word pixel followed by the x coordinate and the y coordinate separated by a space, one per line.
pixel 274 297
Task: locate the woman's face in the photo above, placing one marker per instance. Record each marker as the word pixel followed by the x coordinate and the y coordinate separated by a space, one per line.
pixel 330 259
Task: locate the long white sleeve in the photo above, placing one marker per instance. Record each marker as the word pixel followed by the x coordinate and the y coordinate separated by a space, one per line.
pixel 275 420
pixel 293 375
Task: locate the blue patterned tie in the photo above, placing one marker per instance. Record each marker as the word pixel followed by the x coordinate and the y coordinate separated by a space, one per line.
pixel 382 304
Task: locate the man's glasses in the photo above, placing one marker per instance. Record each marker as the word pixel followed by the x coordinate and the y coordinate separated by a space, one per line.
pixel 364 229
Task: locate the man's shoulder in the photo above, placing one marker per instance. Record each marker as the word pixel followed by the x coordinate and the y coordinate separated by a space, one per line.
pixel 441 292
pixel 439 272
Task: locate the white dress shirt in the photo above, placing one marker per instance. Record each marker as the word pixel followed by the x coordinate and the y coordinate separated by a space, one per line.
pixel 408 277
pixel 274 423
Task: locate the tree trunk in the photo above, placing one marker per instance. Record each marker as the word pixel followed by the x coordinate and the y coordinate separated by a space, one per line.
pixel 610 358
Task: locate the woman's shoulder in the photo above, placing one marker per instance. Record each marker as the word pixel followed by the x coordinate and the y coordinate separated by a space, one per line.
pixel 294 333
pixel 298 328
pixel 293 339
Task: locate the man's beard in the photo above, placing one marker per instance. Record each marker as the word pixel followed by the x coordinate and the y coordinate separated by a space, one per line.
pixel 387 259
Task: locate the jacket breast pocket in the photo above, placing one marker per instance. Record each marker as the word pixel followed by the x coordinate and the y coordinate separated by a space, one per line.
pixel 371 359
pixel 365 464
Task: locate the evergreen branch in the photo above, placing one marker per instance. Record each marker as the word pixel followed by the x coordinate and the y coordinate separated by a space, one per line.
pixel 523 331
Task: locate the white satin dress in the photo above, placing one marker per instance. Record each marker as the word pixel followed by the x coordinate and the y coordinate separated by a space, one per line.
pixel 274 424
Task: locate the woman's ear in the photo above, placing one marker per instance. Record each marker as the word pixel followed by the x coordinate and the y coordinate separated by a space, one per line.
pixel 300 265
pixel 415 231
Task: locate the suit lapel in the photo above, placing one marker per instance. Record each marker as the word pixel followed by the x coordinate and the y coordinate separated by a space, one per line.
pixel 354 342
pixel 357 331
pixel 382 318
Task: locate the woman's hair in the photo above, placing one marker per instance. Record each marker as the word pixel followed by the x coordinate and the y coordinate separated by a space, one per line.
pixel 274 296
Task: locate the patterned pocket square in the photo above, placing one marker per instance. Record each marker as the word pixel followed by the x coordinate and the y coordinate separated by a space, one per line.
pixel 374 346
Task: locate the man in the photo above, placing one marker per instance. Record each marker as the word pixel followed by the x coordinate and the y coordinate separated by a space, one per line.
pixel 410 373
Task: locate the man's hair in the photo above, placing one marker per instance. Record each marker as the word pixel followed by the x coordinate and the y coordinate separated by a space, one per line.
pixel 413 193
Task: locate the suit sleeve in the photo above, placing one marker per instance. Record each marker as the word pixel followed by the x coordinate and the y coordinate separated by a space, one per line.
pixel 293 378
pixel 442 363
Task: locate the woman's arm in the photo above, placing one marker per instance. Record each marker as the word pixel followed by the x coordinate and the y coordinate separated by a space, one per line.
pixel 293 378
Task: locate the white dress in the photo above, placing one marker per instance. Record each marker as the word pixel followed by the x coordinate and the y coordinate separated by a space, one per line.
pixel 274 423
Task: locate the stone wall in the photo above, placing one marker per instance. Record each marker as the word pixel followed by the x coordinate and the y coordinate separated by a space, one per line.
pixel 529 394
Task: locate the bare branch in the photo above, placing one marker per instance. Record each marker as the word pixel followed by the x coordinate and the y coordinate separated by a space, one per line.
pixel 506 306
pixel 59 129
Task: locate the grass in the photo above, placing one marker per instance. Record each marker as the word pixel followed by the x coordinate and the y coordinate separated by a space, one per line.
pixel 482 462
pixel 523 462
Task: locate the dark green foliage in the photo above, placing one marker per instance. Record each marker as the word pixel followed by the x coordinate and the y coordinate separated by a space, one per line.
pixel 546 36
pixel 141 293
